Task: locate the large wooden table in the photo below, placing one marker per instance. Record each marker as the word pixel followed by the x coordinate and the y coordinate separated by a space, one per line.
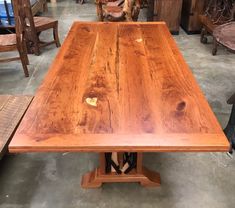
pixel 119 87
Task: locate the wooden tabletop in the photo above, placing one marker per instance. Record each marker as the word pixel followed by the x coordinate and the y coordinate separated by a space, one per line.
pixel 119 87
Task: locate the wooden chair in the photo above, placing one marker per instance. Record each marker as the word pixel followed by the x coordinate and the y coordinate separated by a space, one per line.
pixel 35 25
pixel 14 42
pixel 230 128
pixel 120 10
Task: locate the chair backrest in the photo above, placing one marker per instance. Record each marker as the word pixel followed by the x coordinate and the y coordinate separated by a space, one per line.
pixel 220 11
pixel 132 8
pixel 24 16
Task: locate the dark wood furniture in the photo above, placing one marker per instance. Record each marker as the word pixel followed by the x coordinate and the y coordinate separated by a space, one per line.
pixel 207 28
pixel 33 26
pixel 15 42
pixel 230 128
pixel 128 91
pixel 218 12
pixel 80 1
pixel 191 10
pixel 12 109
pixel 224 35
pixel 120 10
pixel 168 11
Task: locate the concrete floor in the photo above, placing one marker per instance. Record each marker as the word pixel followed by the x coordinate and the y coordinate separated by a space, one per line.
pixel 188 179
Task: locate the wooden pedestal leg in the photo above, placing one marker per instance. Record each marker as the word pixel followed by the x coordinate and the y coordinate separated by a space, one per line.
pixel 141 174
pixel 149 178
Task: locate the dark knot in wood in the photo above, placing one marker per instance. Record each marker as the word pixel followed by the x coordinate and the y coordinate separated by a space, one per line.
pixel 181 106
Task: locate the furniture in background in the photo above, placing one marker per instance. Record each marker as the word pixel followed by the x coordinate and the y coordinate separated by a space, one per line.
pixel 224 35
pixel 218 12
pixel 6 14
pixel 14 42
pixel 38 6
pixel 144 4
pixel 33 26
pixel 207 28
pixel 7 22
pixel 168 11
pixel 120 10
pixel 80 1
pixel 138 96
pixel 230 128
pixel 12 109
pixel 191 10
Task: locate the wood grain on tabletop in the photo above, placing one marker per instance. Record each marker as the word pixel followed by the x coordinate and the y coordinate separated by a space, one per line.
pixel 119 87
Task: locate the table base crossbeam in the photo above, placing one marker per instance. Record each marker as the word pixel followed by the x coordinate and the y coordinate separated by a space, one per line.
pixel 142 175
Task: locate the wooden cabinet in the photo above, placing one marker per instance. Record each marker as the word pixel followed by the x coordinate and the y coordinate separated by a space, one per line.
pixel 168 11
pixel 190 15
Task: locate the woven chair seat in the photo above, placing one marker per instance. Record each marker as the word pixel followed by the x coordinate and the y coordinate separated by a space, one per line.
pixel 225 35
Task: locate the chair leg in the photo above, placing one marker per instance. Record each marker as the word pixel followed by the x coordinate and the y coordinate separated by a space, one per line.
pixel 23 58
pixel 36 48
pixel 203 36
pixel 21 47
pixel 99 11
pixel 56 35
pixel 25 52
pixel 215 45
pixel 36 44
pixel 26 60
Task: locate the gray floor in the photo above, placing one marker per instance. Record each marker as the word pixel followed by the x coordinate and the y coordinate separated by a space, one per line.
pixel 188 179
